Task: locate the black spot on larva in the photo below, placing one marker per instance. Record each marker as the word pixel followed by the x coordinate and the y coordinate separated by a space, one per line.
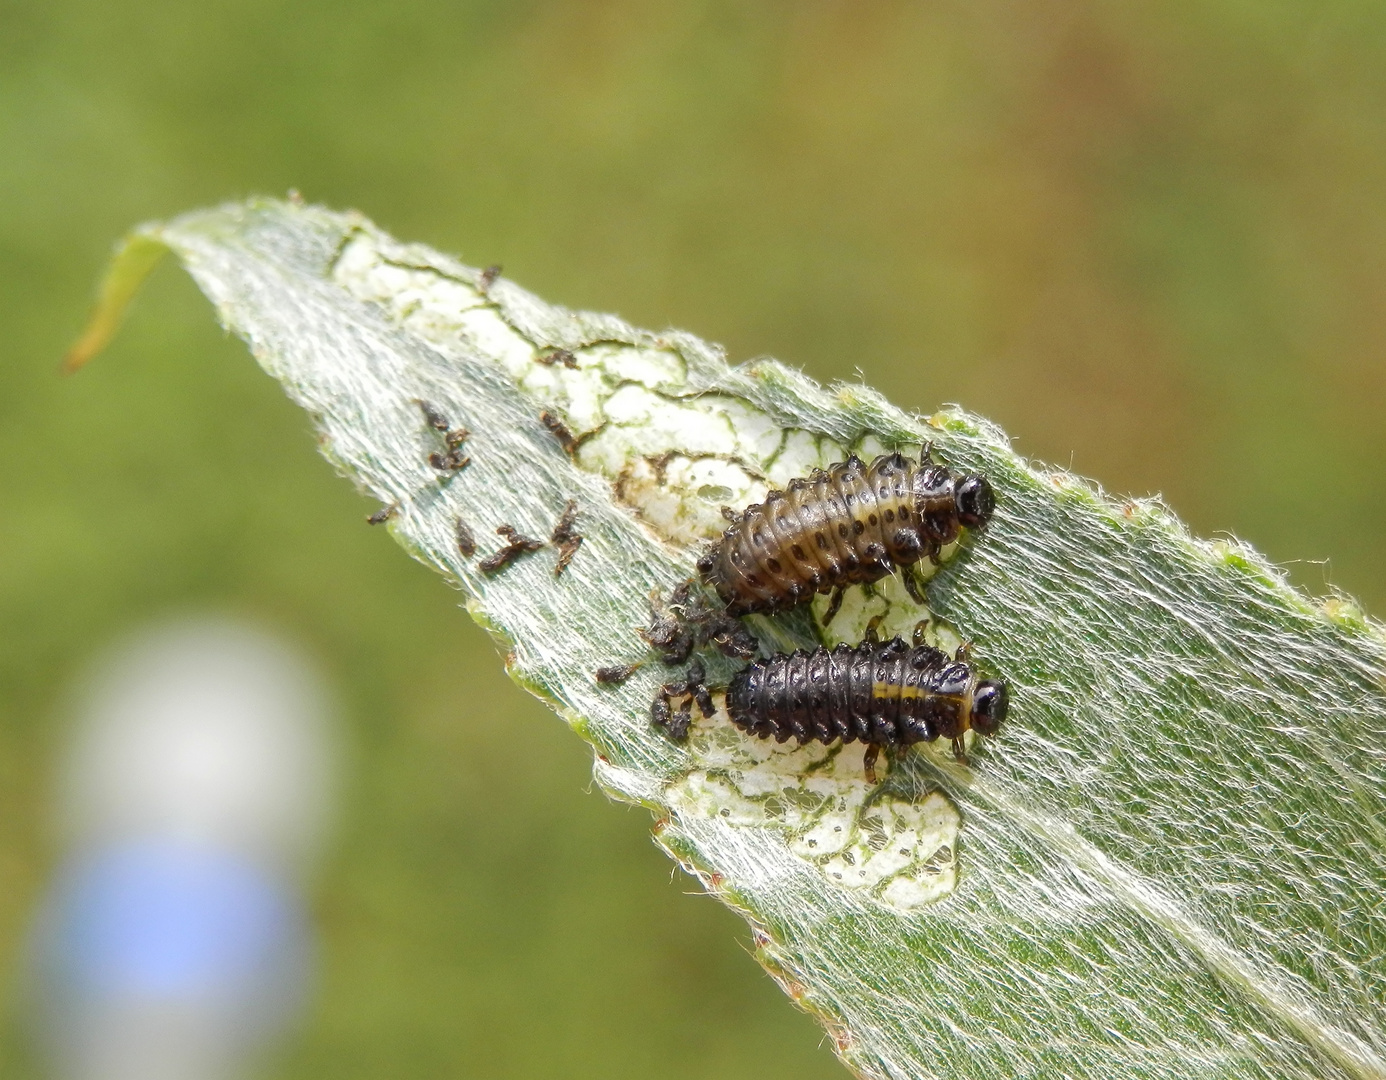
pixel 925 504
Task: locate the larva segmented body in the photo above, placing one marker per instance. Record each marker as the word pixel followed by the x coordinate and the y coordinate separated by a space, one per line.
pixel 851 524
pixel 885 694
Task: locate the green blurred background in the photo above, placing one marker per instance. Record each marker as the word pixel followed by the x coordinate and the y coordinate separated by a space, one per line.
pixel 1148 243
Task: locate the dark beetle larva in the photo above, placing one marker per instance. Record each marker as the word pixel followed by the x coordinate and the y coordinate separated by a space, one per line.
pixel 885 694
pixel 849 525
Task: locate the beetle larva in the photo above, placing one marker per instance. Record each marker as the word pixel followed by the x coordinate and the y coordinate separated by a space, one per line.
pixel 885 694
pixel 849 525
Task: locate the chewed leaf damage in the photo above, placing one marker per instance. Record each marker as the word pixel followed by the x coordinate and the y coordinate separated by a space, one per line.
pixel 677 458
pixel 899 853
pixel 673 454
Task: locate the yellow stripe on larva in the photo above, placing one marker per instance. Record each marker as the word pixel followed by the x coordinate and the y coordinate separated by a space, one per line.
pixel 895 690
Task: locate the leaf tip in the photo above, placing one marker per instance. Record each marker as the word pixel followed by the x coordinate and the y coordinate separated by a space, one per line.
pixel 134 258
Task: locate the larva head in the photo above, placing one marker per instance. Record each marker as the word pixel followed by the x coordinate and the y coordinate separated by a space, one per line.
pixel 989 704
pixel 975 501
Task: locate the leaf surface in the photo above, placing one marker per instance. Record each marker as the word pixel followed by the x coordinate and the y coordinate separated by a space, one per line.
pixel 1169 863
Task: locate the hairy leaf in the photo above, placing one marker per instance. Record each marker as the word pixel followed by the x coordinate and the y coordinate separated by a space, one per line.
pixel 1169 863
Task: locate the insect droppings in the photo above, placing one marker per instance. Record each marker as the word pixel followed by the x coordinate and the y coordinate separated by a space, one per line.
pixel 560 431
pixel 565 538
pixel 453 438
pixel 687 622
pixel 559 356
pixel 436 420
pixel 885 694
pixel 849 525
pixel 681 624
pixel 466 542
pixel 690 687
pixel 516 546
pixel 616 673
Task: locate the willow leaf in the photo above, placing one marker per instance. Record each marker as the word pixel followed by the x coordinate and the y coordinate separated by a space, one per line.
pixel 1170 862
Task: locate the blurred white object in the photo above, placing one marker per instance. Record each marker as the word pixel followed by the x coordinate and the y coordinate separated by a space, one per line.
pixel 197 793
pixel 204 731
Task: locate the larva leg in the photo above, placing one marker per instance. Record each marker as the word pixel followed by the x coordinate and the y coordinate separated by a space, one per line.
pixel 872 632
pixel 834 604
pixel 919 628
pixel 869 761
pixel 912 584
pixel 958 752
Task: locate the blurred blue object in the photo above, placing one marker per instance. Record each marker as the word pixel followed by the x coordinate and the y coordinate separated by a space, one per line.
pixel 159 920
pixel 174 944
